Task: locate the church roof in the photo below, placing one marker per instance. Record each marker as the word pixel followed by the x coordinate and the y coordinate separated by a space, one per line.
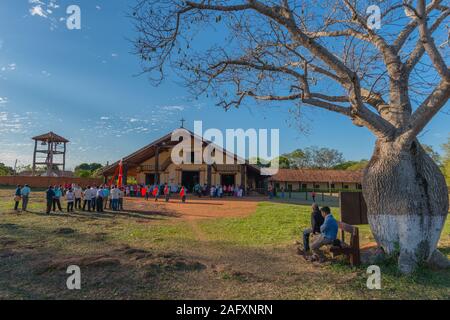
pixel 318 175
pixel 50 136
pixel 149 151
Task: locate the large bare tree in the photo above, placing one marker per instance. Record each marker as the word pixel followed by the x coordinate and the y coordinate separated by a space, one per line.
pixel 327 54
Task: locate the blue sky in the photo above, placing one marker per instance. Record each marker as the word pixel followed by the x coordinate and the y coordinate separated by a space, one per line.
pixel 83 85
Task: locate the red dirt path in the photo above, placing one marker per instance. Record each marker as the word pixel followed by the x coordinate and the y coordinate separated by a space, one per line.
pixel 195 208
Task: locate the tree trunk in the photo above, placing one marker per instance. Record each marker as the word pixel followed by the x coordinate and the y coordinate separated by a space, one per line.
pixel 407 202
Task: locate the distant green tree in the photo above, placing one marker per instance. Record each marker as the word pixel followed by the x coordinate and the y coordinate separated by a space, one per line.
pixel 5 170
pixel 345 165
pixel 352 165
pixel 88 166
pixel 297 159
pixel 446 161
pixel 359 165
pixel 260 162
pixel 433 154
pixel 314 157
pixel 88 170
pixel 83 173
pixel 283 162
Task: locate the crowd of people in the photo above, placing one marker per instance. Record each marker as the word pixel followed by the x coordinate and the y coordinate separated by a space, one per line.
pixel 215 191
pixel 218 191
pixel 324 226
pixel 98 198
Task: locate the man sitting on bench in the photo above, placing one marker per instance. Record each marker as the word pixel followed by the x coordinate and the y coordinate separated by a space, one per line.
pixel 316 223
pixel 328 233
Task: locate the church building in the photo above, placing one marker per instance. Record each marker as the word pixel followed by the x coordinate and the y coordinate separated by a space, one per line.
pixel 153 164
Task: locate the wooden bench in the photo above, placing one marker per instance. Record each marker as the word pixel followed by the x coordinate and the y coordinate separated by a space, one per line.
pixel 351 249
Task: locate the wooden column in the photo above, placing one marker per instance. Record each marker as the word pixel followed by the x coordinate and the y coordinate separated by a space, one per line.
pixel 50 159
pixel 34 157
pixel 124 174
pixel 208 175
pixel 64 158
pixel 241 170
pixel 157 165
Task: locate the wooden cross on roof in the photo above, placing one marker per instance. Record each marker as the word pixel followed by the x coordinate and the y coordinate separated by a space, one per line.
pixel 182 122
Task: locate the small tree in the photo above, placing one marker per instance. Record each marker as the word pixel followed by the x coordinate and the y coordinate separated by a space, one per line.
pixel 446 161
pixel 6 170
pixel 352 165
pixel 87 170
pixel 327 54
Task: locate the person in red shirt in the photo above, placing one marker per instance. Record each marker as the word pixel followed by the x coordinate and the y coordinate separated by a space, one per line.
pixel 183 194
pixel 166 192
pixel 143 192
pixel 155 192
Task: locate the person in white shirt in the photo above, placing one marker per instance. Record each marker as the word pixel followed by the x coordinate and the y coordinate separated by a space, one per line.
pixel 121 195
pixel 70 197
pixel 99 199
pixel 115 198
pixel 87 198
pixel 93 198
pixel 77 194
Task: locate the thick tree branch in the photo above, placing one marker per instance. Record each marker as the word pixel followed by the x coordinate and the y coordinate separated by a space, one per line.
pixel 429 45
pixel 425 112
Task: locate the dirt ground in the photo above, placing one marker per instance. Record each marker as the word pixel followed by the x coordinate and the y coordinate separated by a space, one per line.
pixel 158 250
pixel 195 208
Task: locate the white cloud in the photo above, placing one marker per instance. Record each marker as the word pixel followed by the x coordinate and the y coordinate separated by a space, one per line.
pixel 46 9
pixel 3 100
pixel 114 55
pixel 98 7
pixel 173 108
pixel 46 73
pixel 38 11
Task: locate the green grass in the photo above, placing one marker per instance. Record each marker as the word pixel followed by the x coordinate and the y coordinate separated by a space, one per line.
pixel 244 258
pixel 272 224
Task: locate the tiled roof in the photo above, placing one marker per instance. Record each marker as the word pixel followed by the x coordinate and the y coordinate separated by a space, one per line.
pixel 50 136
pixel 317 175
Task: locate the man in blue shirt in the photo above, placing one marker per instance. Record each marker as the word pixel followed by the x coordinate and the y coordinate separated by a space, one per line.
pixel 328 233
pixel 25 196
pixel 17 197
pixel 57 198
pixel 106 194
pixel 50 194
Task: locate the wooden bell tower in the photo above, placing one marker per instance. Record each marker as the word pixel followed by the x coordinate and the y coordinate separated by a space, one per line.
pixel 50 151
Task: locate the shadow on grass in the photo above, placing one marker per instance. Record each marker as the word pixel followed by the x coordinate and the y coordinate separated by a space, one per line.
pixel 107 214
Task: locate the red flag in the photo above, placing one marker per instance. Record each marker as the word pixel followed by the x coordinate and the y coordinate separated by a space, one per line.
pixel 119 178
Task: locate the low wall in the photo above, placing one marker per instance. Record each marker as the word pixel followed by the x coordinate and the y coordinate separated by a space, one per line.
pixel 44 182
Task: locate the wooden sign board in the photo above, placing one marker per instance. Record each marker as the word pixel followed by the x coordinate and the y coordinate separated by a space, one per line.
pixel 353 208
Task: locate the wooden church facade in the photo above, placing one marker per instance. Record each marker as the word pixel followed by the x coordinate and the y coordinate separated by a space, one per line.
pixel 153 165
